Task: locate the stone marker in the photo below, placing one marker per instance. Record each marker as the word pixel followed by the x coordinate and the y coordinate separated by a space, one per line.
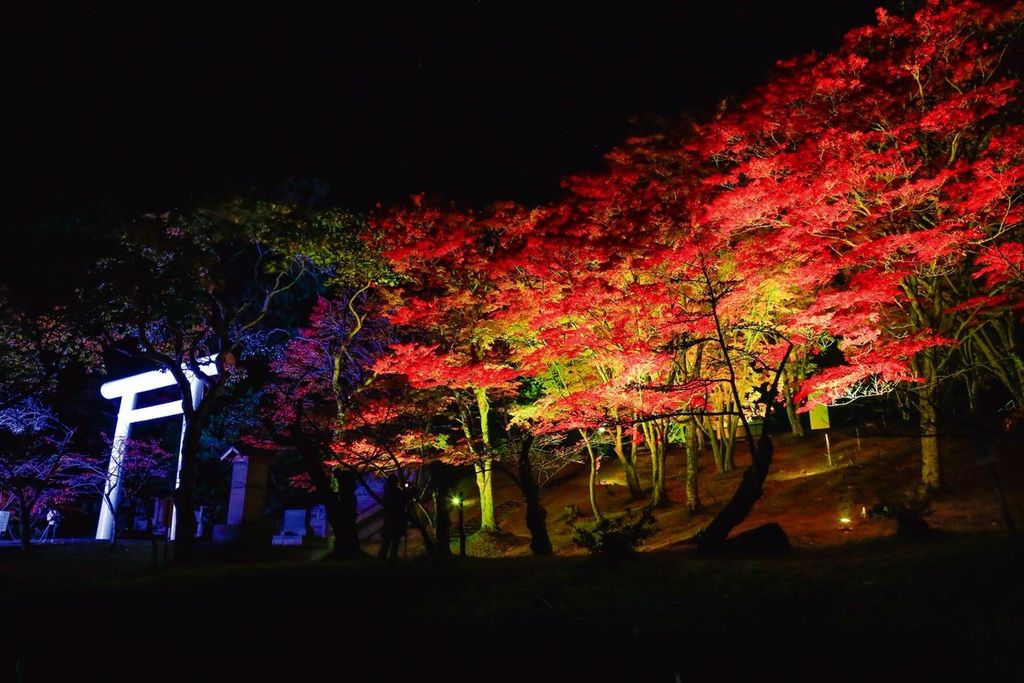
pixel 248 493
pixel 293 529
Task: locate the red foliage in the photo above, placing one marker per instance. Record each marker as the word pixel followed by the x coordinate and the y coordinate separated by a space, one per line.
pixel 828 205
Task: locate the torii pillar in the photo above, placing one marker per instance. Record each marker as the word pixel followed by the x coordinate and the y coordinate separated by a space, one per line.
pixel 128 389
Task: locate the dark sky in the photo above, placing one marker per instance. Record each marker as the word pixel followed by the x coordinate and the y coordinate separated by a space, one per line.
pixel 140 108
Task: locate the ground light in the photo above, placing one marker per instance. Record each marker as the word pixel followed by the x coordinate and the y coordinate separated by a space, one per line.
pixel 459 502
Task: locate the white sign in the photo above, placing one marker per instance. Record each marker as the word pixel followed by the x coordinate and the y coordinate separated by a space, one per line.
pixel 5 519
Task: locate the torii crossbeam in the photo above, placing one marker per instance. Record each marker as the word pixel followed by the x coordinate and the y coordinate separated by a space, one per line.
pixel 128 389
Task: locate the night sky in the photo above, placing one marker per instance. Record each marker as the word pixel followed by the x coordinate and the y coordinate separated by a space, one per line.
pixel 146 108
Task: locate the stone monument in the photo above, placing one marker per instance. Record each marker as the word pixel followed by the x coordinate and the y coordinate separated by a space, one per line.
pixel 293 530
pixel 248 494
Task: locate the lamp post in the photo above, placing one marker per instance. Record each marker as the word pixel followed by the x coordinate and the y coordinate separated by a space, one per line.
pixel 459 502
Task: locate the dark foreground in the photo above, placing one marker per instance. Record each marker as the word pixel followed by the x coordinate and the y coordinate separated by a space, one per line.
pixel 876 611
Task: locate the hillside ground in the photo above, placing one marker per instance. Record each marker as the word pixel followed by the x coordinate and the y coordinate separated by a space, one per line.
pixel 802 493
pixel 855 603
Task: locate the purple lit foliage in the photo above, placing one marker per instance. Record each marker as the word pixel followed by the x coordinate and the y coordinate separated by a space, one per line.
pixel 33 442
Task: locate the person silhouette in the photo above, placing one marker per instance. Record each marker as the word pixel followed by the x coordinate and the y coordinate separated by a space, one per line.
pixel 396 503
pixel 52 522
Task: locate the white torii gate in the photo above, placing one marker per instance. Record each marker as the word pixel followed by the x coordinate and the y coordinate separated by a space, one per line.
pixel 128 390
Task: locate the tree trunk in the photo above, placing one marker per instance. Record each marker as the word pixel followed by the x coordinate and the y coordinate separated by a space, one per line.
pixel 536 515
pixel 716 443
pixel 484 407
pixel 999 354
pixel 723 440
pixel 656 443
pixel 796 427
pixel 927 399
pixel 184 495
pixel 442 523
pixel 342 513
pixel 729 444
pixel 441 482
pixel 692 493
pixel 484 469
pixel 343 521
pixel 417 521
pixel 628 466
pixel 712 538
pixel 592 482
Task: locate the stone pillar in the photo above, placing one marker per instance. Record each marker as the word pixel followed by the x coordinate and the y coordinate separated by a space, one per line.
pixel 248 494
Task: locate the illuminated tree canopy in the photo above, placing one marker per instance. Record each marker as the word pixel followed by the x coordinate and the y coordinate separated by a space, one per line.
pixel 849 228
pixel 867 200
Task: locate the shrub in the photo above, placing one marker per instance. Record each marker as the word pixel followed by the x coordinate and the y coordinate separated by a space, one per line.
pixel 615 538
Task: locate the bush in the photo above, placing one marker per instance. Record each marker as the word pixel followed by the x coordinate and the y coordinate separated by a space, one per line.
pixel 615 538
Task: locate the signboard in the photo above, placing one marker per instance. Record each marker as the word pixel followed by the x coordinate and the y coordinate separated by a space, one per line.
pixel 819 416
pixel 318 520
pixel 5 519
